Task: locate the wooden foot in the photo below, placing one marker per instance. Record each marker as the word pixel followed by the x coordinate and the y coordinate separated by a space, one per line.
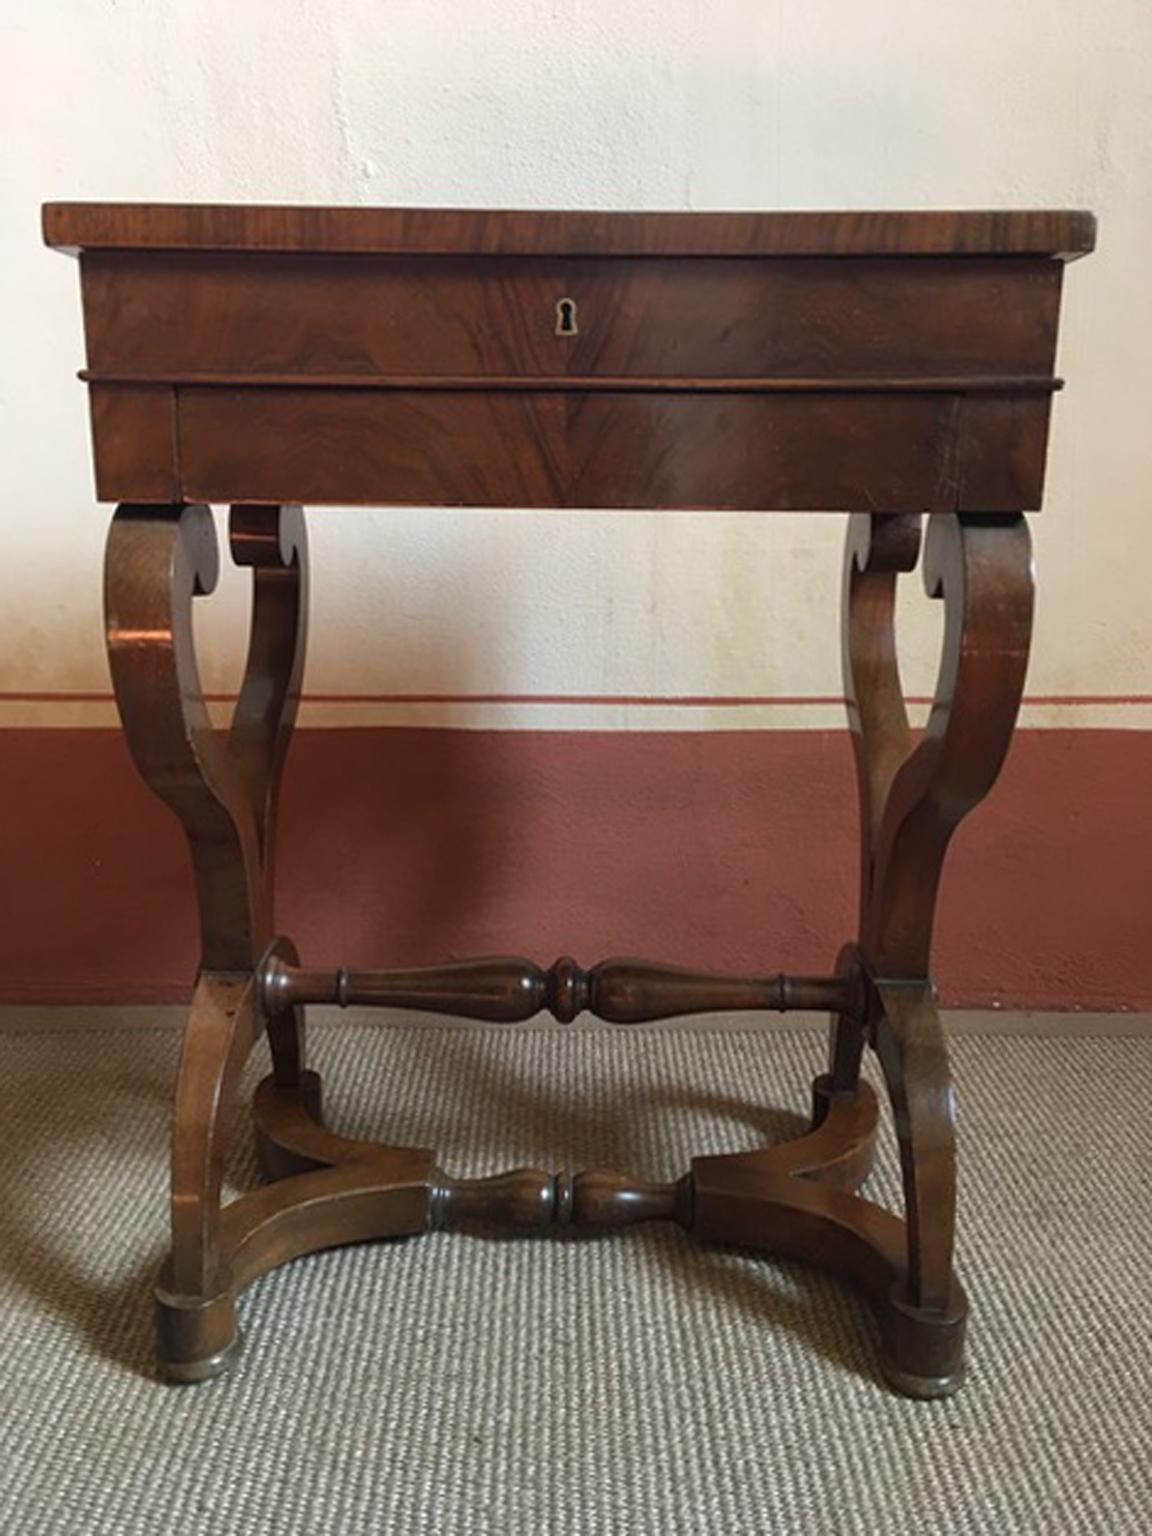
pixel 922 1351
pixel 196 1336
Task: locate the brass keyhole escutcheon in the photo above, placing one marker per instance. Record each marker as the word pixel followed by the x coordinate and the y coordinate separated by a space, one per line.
pixel 566 318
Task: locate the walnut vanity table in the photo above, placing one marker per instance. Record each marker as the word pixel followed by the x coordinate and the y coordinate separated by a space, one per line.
pixel 897 366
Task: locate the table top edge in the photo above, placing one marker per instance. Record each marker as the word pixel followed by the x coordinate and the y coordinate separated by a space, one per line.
pixel 72 227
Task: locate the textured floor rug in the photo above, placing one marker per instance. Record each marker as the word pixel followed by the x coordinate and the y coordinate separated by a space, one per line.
pixel 473 1384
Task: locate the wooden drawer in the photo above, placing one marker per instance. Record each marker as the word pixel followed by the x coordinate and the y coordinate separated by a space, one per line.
pixel 185 316
pixel 641 448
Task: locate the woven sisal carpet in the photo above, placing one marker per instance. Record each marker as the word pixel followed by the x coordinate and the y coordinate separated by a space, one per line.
pixel 638 1384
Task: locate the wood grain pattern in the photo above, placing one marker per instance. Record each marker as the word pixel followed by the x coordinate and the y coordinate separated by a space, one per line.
pixel 169 314
pixel 710 452
pixel 890 363
pixel 134 443
pixel 1002 452
pixel 424 231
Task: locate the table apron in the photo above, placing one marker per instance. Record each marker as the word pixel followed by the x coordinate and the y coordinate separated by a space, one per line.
pixel 869 450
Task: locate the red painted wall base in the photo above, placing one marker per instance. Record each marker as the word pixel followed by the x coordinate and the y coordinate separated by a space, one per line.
pixel 733 850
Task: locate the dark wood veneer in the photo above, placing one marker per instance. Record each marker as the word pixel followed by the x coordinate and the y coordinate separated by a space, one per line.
pixel 891 365
pixel 447 231
pixel 735 362
pixel 640 450
pixel 164 314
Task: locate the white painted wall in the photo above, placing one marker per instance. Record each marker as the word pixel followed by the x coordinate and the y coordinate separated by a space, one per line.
pixel 590 103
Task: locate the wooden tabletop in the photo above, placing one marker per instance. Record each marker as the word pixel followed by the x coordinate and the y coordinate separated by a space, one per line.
pixel 382 231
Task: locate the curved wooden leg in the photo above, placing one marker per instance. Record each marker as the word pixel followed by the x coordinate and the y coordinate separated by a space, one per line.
pixel 223 789
pixel 982 570
pixel 877 551
pixel 158 560
pixel 913 795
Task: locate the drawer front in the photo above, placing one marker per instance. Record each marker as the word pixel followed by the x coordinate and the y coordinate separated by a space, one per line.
pixel 527 449
pixel 754 452
pixel 183 316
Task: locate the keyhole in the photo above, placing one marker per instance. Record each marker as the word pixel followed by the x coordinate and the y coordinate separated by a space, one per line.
pixel 566 317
